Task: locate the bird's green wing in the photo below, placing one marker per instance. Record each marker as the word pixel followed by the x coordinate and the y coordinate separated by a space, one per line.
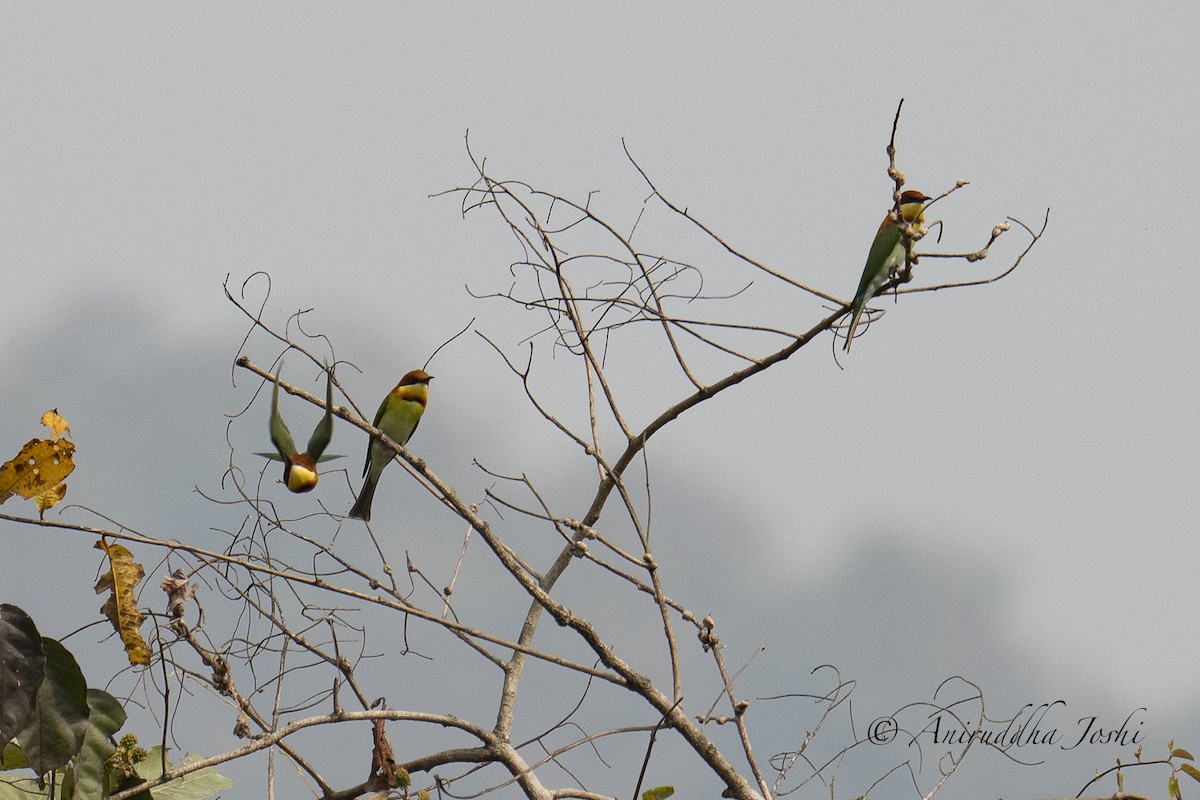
pixel 281 437
pixel 322 459
pixel 383 407
pixel 323 433
pixel 878 262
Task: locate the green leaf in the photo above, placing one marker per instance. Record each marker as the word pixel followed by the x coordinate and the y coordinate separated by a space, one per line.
pixel 20 788
pixel 151 766
pixel 22 668
pixel 1173 786
pixel 11 757
pixel 194 786
pixel 106 718
pixel 658 793
pixel 66 784
pixel 55 731
pixel 1191 770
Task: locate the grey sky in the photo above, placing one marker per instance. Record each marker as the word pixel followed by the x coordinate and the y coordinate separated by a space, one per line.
pixel 1000 483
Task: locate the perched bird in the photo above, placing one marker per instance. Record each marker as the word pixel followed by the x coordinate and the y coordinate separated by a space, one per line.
pixel 300 469
pixel 886 256
pixel 397 416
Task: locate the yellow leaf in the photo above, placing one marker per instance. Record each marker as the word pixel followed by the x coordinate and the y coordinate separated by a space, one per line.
pixel 42 464
pixel 121 606
pixel 55 423
pixel 49 499
pixel 1190 770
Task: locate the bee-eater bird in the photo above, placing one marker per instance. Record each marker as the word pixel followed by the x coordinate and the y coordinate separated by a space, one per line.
pixel 887 254
pixel 397 416
pixel 300 469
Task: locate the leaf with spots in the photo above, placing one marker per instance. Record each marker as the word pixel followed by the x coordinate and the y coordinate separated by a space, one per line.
pixel 41 465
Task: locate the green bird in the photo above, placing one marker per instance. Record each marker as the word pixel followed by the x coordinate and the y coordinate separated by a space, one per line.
pixel 886 256
pixel 398 416
pixel 300 469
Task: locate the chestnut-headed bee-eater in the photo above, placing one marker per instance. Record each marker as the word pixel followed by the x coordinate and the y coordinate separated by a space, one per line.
pixel 887 254
pixel 300 469
pixel 398 416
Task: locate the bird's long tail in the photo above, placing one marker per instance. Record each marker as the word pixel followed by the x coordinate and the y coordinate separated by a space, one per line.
pixel 858 310
pixel 362 506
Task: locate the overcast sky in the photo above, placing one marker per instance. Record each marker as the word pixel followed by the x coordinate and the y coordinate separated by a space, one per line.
pixel 1000 483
